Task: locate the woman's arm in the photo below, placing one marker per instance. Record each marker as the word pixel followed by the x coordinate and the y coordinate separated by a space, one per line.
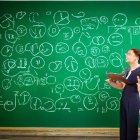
pixel 138 84
pixel 119 85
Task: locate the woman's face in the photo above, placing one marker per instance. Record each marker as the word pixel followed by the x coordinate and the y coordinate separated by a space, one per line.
pixel 131 57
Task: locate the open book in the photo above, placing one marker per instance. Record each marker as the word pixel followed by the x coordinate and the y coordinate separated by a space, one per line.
pixel 117 77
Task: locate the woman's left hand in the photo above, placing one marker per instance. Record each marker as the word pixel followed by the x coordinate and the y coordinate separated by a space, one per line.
pixel 138 84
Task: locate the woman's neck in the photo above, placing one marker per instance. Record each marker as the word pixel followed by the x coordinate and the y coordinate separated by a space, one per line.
pixel 134 66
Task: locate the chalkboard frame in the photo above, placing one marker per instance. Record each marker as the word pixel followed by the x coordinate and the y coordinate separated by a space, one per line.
pixel 39 131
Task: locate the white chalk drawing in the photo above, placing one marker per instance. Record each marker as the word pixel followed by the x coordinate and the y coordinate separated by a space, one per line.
pixel 62 47
pixel 62 55
pixel 51 79
pixel 90 102
pixel 72 83
pixel 21 63
pixel 25 79
pixel 48 13
pixel 101 62
pixel 10 105
pixel 46 49
pixel 53 30
pixel 62 104
pixel 55 66
pixel 98 40
pixel 90 62
pixel 85 73
pixel 115 39
pixel 61 18
pixel 33 48
pixel 103 19
pixel 37 30
pixel 137 21
pixel 23 97
pixel 93 83
pixel 66 32
pixel 71 64
pixel 7 51
pixel 7 21
pixel 48 105
pixel 75 98
pixel 80 49
pixel 135 30
pixel 119 19
pixel 116 59
pixel 59 88
pixel 90 23
pixel 20 15
pixel 105 49
pixel 20 48
pixel 8 65
pixel 37 62
pixel 11 36
pixel 85 38
pixel 79 14
pixel 32 16
pixel 35 103
pixel 103 96
pixel 113 104
pixel 21 30
pixel 77 30
pixel 95 51
pixel 6 83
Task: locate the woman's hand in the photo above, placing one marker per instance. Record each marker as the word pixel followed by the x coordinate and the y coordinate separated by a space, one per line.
pixel 109 81
pixel 138 84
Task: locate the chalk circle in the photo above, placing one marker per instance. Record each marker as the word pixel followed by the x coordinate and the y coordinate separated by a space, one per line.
pixel 90 102
pixel 11 35
pixel 71 64
pixel 48 105
pixel 7 51
pixel 62 47
pixel 101 62
pixel 55 66
pixel 95 51
pixel 21 30
pixel 98 40
pixel 103 96
pixel 25 79
pixel 115 59
pixel 20 48
pixel 72 83
pixel 66 33
pixel 115 39
pixel 104 19
pixel 37 30
pixel 119 19
pixel 80 49
pixel 59 88
pixel 75 98
pixel 37 62
pixel 85 73
pixel 113 104
pixel 77 30
pixel 35 103
pixel 53 30
pixel 6 84
pixel 46 49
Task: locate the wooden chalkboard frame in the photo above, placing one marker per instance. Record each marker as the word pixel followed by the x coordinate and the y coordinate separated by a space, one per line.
pixel 39 131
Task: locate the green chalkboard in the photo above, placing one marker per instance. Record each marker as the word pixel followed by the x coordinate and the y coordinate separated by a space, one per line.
pixel 54 57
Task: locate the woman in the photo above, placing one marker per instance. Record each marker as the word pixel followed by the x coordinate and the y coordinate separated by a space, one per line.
pixel 130 101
